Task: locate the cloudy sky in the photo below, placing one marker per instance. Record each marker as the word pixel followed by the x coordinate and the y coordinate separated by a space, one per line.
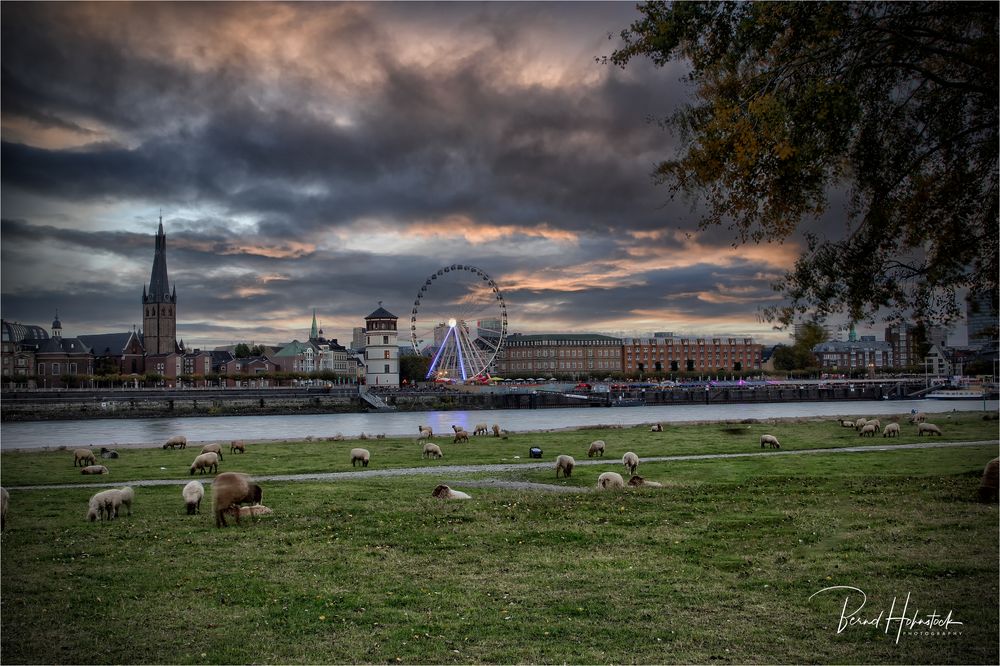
pixel 331 156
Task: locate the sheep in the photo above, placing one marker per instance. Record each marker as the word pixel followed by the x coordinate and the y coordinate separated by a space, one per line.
pixel 231 489
pixel 205 462
pixel 876 423
pixel 360 456
pixel 84 457
pixel 867 430
pixel 860 423
pixel 179 441
pixel 4 502
pixel 127 495
pixel 496 430
pixel 95 469
pixel 481 429
pixel 213 448
pixel 847 424
pixel 429 430
pixel 656 427
pixel 432 451
pixel 192 494
pixel 770 440
pixel 444 492
pixel 424 435
pixel 918 417
pixel 461 436
pixel 457 428
pixel 990 484
pixel 890 430
pixel 631 461
pixel 363 436
pixel 237 445
pixel 254 511
pixel 565 464
pixel 596 448
pixel 104 505
pixel 637 480
pixel 929 428
pixel 108 453
pixel 610 481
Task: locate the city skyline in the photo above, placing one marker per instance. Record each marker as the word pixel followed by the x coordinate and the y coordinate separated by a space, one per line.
pixel 329 156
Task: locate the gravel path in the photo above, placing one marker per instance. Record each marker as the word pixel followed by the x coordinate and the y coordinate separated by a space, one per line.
pixel 443 470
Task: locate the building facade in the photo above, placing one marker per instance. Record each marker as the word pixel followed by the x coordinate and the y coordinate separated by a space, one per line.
pixel 159 304
pixel 381 348
pixel 864 354
pixel 665 354
pixel 559 353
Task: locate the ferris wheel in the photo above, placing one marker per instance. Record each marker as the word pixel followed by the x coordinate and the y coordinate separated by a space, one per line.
pixel 459 317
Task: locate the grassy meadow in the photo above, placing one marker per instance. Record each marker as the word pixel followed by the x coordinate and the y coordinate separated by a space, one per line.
pixel 717 566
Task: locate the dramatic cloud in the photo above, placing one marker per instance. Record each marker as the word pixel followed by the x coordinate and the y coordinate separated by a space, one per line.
pixel 330 156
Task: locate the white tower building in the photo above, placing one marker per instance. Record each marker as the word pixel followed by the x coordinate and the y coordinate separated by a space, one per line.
pixel 381 348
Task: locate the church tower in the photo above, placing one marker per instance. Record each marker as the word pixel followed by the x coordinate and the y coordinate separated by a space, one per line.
pixel 159 305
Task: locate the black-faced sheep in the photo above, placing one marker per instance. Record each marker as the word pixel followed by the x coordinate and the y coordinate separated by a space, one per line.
pixel 876 423
pixel 4 502
pixel 929 428
pixel 95 469
pixel 213 448
pixel 446 493
pixel 656 427
pixel 461 436
pixel 457 428
pixel 84 457
pixel 205 462
pixel 496 429
pixel 360 456
pixel 481 429
pixel 231 489
pixel 108 453
pixel 432 451
pixel 596 448
pixel 637 481
pixel 426 429
pixel 631 461
pixel 610 481
pixel 890 430
pixel 178 441
pixel 867 430
pixel 847 424
pixel 192 494
pixel 769 440
pixel 237 445
pixel 565 464
pixel 990 484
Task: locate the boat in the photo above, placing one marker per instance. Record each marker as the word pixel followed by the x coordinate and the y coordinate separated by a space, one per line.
pixel 958 394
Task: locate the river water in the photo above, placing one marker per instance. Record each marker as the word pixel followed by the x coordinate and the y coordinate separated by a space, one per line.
pixel 149 432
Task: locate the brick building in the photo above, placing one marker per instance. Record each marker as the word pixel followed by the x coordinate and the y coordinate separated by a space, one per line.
pixel 559 354
pixel 667 354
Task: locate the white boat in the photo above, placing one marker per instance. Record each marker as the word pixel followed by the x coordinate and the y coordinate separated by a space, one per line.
pixel 957 394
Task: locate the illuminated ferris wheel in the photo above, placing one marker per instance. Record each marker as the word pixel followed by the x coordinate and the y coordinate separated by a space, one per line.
pixel 459 317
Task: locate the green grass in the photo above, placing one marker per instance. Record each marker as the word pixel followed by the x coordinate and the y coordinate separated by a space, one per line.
pixel 718 566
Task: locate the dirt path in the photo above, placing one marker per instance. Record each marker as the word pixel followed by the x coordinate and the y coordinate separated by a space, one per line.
pixel 451 470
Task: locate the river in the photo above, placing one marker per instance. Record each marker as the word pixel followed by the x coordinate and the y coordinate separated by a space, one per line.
pixel 154 431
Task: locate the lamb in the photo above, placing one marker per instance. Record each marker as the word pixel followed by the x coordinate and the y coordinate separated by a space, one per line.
pixel 104 505
pixel 770 440
pixel 596 448
pixel 432 451
pixel 867 430
pixel 179 441
pixel 213 448
pixel 631 461
pixel 84 457
pixel 481 429
pixel 988 487
pixel 360 456
pixel 565 464
pixel 206 462
pixel 254 511
pixel 919 417
pixel 637 480
pixel 231 489
pixel 496 430
pixel 610 481
pixel 891 430
pixel 108 453
pixel 237 445
pixel 444 492
pixel 929 428
pixel 4 501
pixel 192 494
pixel 461 436
pixel 95 469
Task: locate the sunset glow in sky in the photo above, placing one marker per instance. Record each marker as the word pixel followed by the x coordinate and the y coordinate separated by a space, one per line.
pixel 329 156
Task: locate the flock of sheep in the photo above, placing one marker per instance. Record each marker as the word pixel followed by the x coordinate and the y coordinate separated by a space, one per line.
pixel 869 427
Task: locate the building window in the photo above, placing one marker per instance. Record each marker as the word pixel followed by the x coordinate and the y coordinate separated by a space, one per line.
pixel 41 368
pixel 386 353
pixel 386 368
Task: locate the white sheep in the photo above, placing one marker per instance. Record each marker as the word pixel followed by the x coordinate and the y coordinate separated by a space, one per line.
pixel 179 441
pixel 104 505
pixel 193 494
pixel 859 423
pixel 84 457
pixel 868 430
pixel 876 423
pixel 444 492
pixel 461 436
pixel 610 481
pixel 631 461
pixel 423 436
pixel 426 429
pixel 637 480
pixel 432 451
pixel 237 445
pixel 127 496
pixel 231 489
pixel 213 448
pixel 4 502
pixel 929 428
pixel 891 430
pixel 596 448
pixel 919 417
pixel 481 429
pixel 565 465
pixel 847 424
pixel 360 456
pixel 255 511
pixel 95 469
pixel 770 440
pixel 656 427
pixel 205 462
pixel 496 430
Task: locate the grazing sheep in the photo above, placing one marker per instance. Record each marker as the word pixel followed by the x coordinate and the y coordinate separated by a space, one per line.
pixel 237 445
pixel 860 423
pixel 4 501
pixel 426 429
pixel 104 505
pixel 231 489
pixel 360 456
pixel 656 427
pixel 631 461
pixel 461 436
pixel 847 424
pixel 255 511
pixel 496 430
pixel 432 451
pixel 610 481
pixel 989 486
pixel 108 453
pixel 891 430
pixel 444 492
pixel 876 423
pixel 424 435
pixel 179 441
pixel 637 480
pixel 929 428
pixel 127 496
pixel 596 448
pixel 84 457
pixel 867 430
pixel 192 494
pixel 457 428
pixel 95 469
pixel 770 440
pixel 206 462
pixel 565 464
pixel 919 417
pixel 213 448
pixel 481 429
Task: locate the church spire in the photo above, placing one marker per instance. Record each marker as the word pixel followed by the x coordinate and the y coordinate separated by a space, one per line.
pixel 314 331
pixel 159 288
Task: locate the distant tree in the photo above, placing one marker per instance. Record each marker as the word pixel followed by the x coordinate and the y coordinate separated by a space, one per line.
pixel 799 355
pixel 242 350
pixel 894 102
pixel 413 368
pixel 257 350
